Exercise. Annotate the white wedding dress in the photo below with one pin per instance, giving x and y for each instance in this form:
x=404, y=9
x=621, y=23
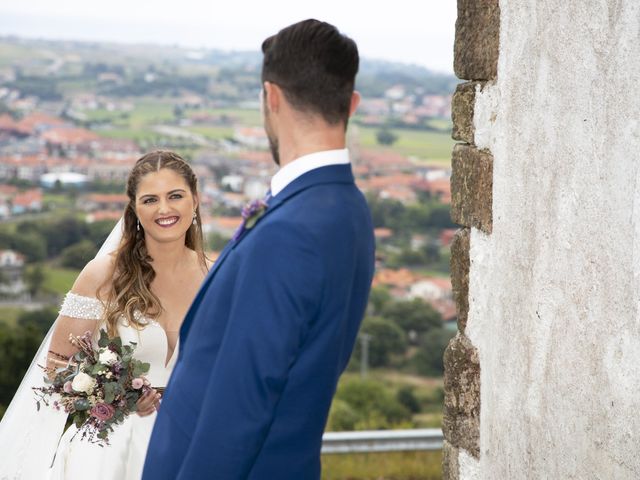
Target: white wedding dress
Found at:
x=123, y=459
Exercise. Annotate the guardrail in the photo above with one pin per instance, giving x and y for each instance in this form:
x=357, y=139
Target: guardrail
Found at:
x=369, y=441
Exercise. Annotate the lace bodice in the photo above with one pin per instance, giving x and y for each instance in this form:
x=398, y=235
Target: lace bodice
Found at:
x=152, y=340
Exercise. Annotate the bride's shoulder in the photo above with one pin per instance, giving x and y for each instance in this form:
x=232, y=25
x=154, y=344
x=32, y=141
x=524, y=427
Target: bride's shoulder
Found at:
x=94, y=277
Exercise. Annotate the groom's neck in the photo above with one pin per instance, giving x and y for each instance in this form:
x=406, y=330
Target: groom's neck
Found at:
x=301, y=138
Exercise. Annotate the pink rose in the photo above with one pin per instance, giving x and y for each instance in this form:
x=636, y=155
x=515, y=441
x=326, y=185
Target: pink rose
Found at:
x=67, y=387
x=102, y=411
x=137, y=383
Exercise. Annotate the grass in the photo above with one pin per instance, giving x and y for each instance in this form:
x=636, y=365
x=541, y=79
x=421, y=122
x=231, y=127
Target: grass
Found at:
x=59, y=280
x=103, y=115
x=246, y=117
x=9, y=315
x=383, y=466
x=441, y=124
x=212, y=132
x=148, y=112
x=432, y=147
x=58, y=200
x=128, y=133
x=11, y=54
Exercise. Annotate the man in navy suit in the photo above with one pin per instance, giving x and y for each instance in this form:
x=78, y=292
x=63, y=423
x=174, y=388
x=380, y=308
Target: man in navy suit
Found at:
x=275, y=321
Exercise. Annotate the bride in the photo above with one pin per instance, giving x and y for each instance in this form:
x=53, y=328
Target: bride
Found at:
x=139, y=289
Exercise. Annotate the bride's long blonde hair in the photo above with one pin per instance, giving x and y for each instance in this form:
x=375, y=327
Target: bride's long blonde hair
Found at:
x=129, y=288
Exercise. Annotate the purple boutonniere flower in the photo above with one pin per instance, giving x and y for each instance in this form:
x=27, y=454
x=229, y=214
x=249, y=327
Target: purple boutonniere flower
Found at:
x=250, y=215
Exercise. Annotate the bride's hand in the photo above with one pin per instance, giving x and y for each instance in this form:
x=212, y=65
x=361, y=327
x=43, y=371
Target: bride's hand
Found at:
x=148, y=403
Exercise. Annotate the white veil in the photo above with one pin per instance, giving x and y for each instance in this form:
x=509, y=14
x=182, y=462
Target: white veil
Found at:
x=28, y=437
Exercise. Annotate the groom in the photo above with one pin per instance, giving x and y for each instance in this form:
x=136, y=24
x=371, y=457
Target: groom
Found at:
x=275, y=321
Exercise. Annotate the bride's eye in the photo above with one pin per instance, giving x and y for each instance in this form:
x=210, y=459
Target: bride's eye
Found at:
x=149, y=200
x=176, y=195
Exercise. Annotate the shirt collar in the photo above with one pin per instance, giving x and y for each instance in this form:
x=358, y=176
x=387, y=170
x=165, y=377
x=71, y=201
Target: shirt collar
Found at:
x=304, y=164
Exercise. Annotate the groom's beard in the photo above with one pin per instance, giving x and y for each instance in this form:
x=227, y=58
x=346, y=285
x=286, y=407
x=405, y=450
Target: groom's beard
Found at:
x=275, y=149
x=273, y=140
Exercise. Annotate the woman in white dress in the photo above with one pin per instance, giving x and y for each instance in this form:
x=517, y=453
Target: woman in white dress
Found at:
x=140, y=292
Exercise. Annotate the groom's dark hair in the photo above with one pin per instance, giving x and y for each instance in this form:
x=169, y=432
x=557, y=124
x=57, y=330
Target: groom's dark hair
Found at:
x=315, y=65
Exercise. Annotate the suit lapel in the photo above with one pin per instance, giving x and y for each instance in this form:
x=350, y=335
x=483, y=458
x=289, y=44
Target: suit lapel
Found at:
x=322, y=175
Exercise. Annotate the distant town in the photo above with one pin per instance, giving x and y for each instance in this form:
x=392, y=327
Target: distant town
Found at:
x=74, y=117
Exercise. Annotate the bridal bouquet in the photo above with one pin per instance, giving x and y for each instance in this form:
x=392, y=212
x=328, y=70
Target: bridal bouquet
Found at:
x=98, y=388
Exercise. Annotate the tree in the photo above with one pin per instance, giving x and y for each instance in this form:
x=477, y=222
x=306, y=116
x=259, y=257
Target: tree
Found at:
x=342, y=417
x=373, y=404
x=385, y=213
x=387, y=339
x=41, y=319
x=385, y=136
x=99, y=231
x=217, y=241
x=429, y=358
x=78, y=255
x=34, y=277
x=31, y=245
x=413, y=315
x=18, y=345
x=378, y=298
x=407, y=397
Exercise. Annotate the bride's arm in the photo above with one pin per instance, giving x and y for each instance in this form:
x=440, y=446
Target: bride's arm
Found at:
x=82, y=313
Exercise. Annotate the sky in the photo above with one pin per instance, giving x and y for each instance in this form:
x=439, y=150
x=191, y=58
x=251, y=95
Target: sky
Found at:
x=410, y=31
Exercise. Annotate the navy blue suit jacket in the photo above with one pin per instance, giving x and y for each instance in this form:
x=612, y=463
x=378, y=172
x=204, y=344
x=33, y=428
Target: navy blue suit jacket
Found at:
x=268, y=335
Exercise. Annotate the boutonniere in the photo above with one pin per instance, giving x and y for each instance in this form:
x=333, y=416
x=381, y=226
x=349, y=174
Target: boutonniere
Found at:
x=251, y=213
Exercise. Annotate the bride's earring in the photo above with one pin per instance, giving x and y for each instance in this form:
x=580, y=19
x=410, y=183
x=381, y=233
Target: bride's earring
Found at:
x=138, y=225
x=195, y=222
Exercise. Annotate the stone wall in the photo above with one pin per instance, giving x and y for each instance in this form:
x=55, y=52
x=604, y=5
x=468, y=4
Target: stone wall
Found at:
x=541, y=380
x=475, y=59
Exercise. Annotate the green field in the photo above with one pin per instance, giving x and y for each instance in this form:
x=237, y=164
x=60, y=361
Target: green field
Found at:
x=139, y=135
x=440, y=124
x=244, y=116
x=150, y=112
x=9, y=315
x=59, y=280
x=10, y=54
x=427, y=146
x=383, y=466
x=212, y=132
x=422, y=145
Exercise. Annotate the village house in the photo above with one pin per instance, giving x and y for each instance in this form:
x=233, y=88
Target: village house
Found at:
x=27, y=201
x=103, y=201
x=253, y=137
x=11, y=272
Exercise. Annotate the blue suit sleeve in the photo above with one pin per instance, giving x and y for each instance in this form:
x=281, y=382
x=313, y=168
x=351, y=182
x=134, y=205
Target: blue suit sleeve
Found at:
x=277, y=294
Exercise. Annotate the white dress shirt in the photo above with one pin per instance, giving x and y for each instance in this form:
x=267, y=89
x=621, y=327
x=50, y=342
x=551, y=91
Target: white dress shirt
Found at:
x=304, y=164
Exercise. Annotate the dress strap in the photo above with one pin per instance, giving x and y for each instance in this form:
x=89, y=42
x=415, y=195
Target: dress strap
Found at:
x=79, y=306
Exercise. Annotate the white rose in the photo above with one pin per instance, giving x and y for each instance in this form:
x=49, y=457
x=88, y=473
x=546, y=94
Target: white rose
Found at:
x=108, y=357
x=83, y=383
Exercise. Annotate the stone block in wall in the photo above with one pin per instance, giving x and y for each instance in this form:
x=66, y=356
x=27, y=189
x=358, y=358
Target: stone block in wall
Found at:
x=461, y=419
x=472, y=187
x=462, y=108
x=449, y=462
x=477, y=39
x=460, y=274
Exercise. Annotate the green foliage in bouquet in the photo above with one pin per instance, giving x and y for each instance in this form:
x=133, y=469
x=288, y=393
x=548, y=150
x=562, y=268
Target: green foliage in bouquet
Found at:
x=98, y=387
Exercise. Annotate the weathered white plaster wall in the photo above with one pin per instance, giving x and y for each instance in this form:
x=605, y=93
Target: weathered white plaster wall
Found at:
x=555, y=289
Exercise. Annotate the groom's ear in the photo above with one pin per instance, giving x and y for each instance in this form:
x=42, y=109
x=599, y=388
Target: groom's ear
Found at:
x=355, y=101
x=273, y=97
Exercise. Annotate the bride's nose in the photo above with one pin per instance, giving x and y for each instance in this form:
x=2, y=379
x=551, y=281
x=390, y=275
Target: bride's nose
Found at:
x=163, y=206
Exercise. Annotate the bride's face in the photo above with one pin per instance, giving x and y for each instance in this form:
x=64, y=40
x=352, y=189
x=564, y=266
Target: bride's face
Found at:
x=165, y=205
